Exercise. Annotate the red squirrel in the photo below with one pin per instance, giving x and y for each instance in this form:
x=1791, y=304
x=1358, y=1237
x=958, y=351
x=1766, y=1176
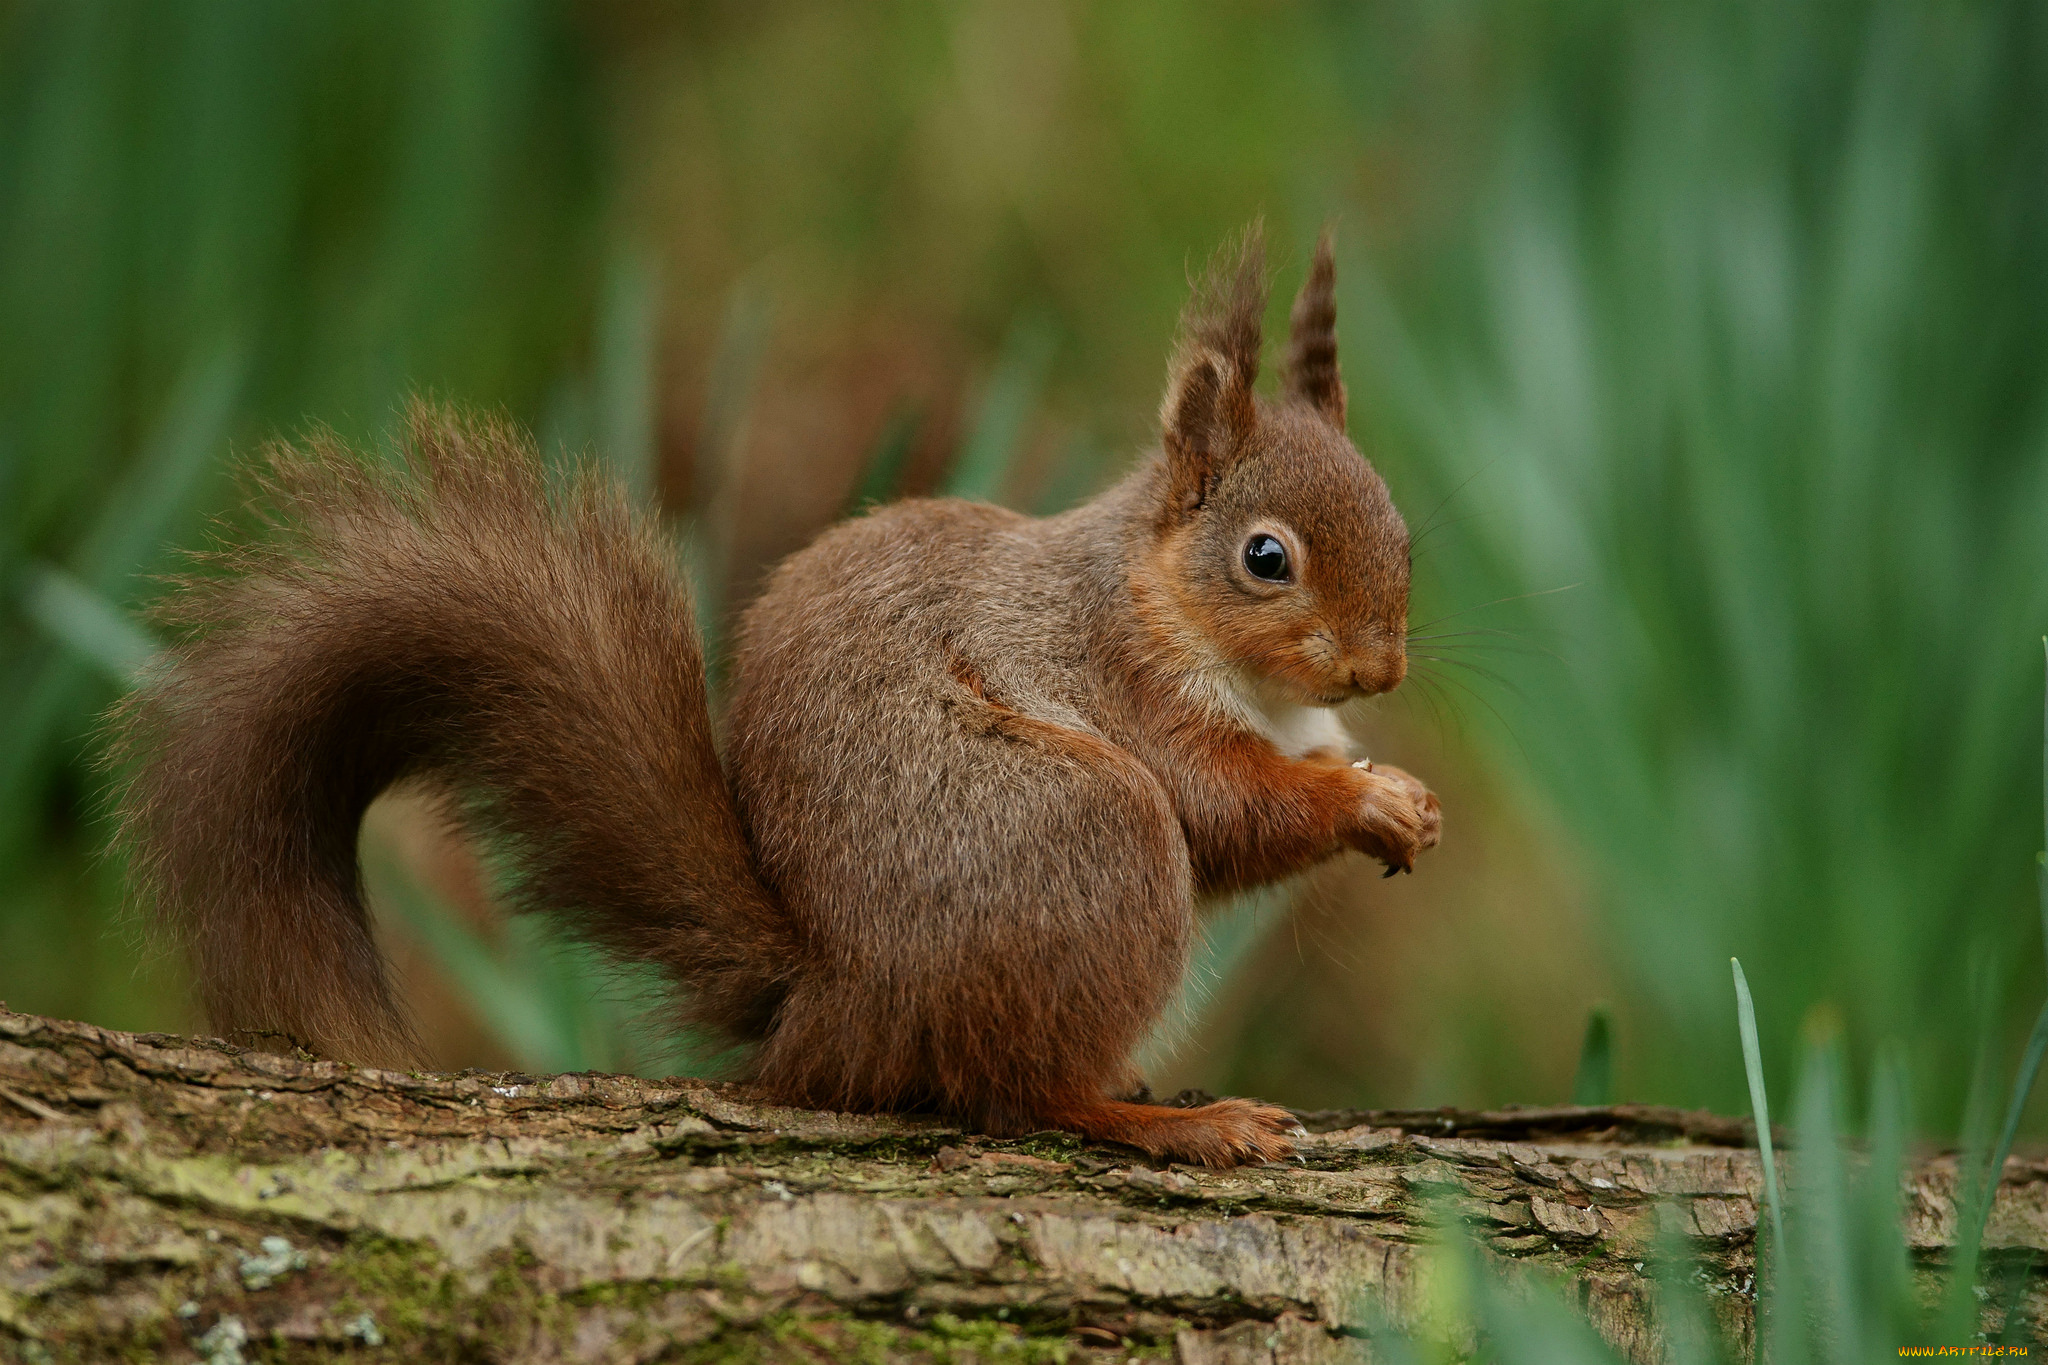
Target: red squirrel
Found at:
x=979, y=770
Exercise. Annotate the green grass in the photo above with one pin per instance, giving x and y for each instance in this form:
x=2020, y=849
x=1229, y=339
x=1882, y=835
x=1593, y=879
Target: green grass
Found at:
x=1734, y=359
x=1594, y=1083
x=218, y=222
x=1835, y=1279
x=1759, y=1101
x=1837, y=1286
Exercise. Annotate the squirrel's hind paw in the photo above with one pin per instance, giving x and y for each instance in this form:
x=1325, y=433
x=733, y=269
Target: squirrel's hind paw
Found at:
x=1240, y=1131
x=1222, y=1133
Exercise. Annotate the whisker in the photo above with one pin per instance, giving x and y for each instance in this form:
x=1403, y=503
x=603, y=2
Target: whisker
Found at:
x=1482, y=649
x=1320, y=922
x=1429, y=522
x=1488, y=638
x=1498, y=601
x=1469, y=691
x=1472, y=668
x=1415, y=543
x=1433, y=696
x=1480, y=630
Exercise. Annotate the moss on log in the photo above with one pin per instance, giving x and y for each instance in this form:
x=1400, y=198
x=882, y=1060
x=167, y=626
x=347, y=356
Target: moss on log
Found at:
x=182, y=1199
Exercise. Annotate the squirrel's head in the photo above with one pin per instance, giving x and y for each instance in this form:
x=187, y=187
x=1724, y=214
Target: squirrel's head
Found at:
x=1276, y=549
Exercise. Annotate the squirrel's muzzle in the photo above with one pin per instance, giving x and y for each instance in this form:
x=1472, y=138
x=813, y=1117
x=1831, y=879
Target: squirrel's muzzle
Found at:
x=1379, y=670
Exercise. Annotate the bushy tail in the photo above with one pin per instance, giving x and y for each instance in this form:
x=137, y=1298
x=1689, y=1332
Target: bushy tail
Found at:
x=524, y=648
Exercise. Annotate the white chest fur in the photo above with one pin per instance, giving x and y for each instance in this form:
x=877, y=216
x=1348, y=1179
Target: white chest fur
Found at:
x=1292, y=728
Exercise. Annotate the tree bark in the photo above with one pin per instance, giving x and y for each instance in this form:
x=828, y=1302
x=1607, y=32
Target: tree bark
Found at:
x=182, y=1199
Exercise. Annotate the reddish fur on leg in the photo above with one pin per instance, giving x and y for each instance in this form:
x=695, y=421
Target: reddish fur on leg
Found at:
x=1225, y=1133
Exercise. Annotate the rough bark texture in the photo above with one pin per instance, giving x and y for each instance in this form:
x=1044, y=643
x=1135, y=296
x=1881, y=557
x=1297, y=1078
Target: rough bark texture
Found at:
x=180, y=1199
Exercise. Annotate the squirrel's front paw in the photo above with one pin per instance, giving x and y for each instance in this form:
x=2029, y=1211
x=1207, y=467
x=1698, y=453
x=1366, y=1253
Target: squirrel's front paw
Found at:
x=1398, y=817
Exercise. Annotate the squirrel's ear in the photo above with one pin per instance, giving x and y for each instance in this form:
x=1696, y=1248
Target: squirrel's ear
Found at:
x=1210, y=414
x=1197, y=437
x=1311, y=373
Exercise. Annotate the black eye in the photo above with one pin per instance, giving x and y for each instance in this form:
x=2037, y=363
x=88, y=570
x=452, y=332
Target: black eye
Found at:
x=1265, y=557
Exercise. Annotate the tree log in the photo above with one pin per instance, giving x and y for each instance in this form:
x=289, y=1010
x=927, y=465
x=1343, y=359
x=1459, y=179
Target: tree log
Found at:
x=181, y=1199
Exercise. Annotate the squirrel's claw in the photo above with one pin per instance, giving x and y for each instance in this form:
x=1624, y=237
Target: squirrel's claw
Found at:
x=1398, y=818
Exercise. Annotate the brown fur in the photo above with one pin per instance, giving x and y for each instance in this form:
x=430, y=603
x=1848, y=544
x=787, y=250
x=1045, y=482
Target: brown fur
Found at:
x=1312, y=376
x=981, y=766
x=535, y=662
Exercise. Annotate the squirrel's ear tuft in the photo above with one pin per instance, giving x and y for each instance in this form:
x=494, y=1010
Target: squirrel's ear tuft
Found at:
x=1311, y=374
x=1210, y=414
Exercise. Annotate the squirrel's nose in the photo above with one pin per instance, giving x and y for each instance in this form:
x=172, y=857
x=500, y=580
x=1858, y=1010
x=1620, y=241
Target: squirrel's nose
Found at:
x=1381, y=671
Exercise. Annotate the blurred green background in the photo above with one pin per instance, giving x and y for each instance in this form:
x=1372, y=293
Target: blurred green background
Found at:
x=1702, y=344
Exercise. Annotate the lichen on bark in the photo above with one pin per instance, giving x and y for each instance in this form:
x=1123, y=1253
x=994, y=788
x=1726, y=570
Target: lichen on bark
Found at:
x=181, y=1199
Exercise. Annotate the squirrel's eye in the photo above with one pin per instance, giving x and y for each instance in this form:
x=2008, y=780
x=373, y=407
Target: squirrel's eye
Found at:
x=1265, y=557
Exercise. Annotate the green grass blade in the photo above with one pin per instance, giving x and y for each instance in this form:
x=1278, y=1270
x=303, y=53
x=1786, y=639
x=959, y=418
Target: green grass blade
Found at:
x=2014, y=1330
x=1958, y=1313
x=566, y=981
x=82, y=619
x=1759, y=1102
x=2022, y=1087
x=884, y=467
x=994, y=441
x=2037, y=1042
x=743, y=341
x=503, y=998
x=628, y=335
x=1594, y=1084
x=1527, y=1323
x=127, y=537
x=1832, y=1292
x=159, y=492
x=1683, y=1312
x=1074, y=476
x=1888, y=1261
x=1226, y=941
x=729, y=391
